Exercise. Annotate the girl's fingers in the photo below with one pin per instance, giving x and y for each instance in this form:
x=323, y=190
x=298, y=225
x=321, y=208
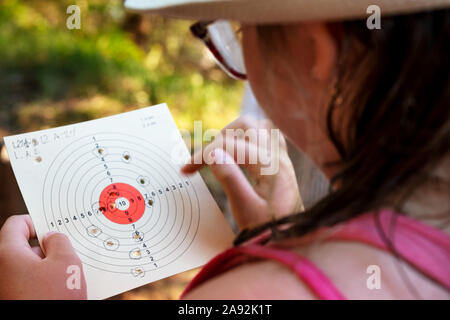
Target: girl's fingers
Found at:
x=238, y=189
x=244, y=153
x=17, y=230
x=15, y=235
x=197, y=161
x=57, y=246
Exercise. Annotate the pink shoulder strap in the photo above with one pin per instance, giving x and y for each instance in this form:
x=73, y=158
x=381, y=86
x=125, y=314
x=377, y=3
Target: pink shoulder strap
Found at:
x=315, y=279
x=424, y=247
x=307, y=272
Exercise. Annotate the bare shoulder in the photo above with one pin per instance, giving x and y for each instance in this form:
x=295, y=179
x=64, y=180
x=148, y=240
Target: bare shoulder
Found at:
x=256, y=280
x=361, y=271
x=357, y=270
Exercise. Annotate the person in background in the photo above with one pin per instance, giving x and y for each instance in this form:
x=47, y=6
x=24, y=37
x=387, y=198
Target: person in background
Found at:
x=369, y=106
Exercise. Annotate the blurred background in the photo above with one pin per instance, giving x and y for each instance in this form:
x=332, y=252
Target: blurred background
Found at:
x=116, y=62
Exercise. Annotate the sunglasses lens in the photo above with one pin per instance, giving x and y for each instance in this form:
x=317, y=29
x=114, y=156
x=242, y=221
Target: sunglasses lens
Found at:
x=228, y=45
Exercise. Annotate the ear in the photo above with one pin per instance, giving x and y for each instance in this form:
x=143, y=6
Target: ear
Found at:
x=325, y=51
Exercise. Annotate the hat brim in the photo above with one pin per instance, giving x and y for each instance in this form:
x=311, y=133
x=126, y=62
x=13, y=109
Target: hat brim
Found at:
x=277, y=11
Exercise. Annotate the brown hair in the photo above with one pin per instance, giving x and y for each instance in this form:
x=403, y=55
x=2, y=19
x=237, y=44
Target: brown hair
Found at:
x=396, y=89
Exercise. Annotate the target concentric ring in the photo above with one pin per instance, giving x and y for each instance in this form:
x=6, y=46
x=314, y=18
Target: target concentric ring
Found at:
x=96, y=184
x=123, y=204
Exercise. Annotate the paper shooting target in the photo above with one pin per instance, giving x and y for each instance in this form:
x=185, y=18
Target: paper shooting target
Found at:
x=122, y=202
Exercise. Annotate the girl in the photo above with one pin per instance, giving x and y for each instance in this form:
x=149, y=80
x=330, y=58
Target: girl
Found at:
x=369, y=106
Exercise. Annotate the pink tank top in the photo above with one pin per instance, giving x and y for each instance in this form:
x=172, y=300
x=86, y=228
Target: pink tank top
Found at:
x=422, y=246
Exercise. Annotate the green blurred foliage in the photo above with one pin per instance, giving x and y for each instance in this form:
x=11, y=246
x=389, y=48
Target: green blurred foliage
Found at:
x=116, y=62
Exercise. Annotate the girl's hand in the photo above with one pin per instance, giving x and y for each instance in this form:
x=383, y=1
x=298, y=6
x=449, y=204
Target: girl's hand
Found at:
x=262, y=197
x=27, y=274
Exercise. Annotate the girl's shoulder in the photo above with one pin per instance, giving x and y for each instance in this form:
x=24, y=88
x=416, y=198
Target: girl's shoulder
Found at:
x=328, y=265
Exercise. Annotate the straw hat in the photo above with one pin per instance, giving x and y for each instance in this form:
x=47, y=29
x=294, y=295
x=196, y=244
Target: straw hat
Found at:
x=273, y=11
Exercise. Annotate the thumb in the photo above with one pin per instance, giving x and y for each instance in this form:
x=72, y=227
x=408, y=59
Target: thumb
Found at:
x=238, y=189
x=57, y=245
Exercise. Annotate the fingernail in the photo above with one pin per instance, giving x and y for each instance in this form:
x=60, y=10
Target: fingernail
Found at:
x=184, y=170
x=218, y=156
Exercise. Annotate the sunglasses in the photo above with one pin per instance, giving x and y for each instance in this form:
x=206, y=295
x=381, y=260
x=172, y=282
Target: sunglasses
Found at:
x=224, y=44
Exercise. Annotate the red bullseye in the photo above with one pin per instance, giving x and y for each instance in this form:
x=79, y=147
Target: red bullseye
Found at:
x=122, y=203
